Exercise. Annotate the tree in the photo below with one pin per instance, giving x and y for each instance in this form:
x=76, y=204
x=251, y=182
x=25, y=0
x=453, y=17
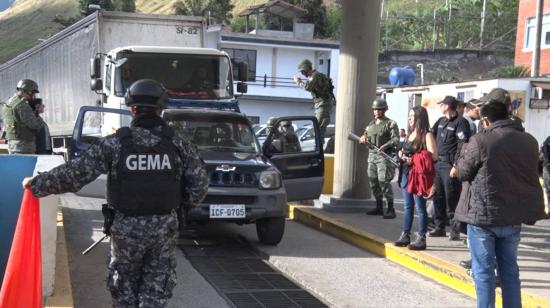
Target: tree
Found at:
x=125, y=5
x=219, y=10
x=316, y=14
x=105, y=4
x=190, y=7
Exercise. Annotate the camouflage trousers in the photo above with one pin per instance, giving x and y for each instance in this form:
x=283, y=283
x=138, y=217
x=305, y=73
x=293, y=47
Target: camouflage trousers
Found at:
x=380, y=174
x=142, y=264
x=546, y=178
x=323, y=117
x=21, y=146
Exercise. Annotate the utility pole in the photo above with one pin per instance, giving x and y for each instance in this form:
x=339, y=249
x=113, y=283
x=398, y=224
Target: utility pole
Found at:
x=535, y=59
x=434, y=34
x=482, y=27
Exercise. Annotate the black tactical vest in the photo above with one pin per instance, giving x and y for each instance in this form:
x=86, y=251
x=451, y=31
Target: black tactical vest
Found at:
x=147, y=180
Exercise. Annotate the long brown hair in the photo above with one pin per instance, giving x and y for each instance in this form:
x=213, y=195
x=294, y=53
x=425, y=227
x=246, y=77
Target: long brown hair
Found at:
x=421, y=127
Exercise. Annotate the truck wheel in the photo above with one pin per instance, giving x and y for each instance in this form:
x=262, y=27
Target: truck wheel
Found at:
x=270, y=230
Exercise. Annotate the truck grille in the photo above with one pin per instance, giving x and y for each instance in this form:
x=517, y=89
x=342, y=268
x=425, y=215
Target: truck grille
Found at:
x=229, y=200
x=242, y=179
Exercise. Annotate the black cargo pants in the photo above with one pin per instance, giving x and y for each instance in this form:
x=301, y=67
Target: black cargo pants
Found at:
x=447, y=193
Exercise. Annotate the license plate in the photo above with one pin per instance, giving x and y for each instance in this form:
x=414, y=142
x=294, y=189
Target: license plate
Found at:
x=227, y=211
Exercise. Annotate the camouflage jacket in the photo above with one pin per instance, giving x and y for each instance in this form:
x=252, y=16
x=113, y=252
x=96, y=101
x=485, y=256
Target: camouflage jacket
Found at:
x=20, y=121
x=320, y=87
x=103, y=157
x=384, y=135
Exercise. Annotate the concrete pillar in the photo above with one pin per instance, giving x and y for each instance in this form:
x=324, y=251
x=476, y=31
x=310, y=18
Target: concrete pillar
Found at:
x=358, y=66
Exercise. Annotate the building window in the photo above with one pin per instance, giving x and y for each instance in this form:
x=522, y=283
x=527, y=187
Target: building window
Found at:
x=247, y=56
x=530, y=33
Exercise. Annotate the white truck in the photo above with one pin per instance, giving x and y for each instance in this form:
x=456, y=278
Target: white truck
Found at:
x=123, y=47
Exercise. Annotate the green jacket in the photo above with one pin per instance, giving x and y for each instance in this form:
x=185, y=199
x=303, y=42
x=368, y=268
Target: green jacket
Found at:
x=20, y=122
x=320, y=87
x=384, y=135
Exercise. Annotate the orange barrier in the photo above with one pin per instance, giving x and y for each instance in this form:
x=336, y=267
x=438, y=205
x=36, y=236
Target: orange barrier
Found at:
x=22, y=285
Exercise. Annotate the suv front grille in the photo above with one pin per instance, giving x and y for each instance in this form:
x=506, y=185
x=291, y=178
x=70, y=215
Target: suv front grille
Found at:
x=242, y=179
x=229, y=200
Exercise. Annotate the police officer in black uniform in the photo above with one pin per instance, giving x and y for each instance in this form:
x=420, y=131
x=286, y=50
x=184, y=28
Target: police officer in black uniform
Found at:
x=451, y=132
x=151, y=172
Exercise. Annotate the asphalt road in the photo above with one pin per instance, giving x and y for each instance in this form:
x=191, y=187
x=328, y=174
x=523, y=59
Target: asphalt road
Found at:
x=338, y=273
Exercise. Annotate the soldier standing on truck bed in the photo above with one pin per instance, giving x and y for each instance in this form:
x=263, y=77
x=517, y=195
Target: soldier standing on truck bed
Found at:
x=321, y=89
x=151, y=172
x=20, y=122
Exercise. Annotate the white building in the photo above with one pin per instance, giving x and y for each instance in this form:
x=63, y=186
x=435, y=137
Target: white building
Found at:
x=272, y=58
x=530, y=99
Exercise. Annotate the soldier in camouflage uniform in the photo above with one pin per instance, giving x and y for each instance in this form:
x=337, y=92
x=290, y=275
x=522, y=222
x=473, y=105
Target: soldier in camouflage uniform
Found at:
x=383, y=133
x=150, y=173
x=321, y=89
x=289, y=140
x=20, y=122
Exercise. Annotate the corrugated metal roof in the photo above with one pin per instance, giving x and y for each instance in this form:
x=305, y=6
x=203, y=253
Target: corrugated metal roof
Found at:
x=275, y=7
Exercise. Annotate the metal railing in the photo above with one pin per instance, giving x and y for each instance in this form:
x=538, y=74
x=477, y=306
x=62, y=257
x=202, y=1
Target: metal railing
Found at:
x=273, y=82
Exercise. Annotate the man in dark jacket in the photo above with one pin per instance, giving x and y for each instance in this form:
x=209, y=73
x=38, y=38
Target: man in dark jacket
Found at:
x=501, y=192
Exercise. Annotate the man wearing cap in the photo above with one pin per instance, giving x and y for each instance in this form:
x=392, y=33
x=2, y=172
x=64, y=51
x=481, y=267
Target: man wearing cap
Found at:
x=502, y=96
x=451, y=132
x=472, y=114
x=495, y=203
x=321, y=89
x=21, y=123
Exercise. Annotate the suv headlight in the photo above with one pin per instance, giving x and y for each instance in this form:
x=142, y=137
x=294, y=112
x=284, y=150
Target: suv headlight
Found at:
x=270, y=179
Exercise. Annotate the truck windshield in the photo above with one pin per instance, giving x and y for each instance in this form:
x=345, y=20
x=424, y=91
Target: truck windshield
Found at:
x=184, y=75
x=224, y=136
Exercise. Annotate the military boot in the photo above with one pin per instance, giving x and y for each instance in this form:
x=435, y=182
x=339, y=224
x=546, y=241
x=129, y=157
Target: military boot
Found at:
x=419, y=243
x=390, y=211
x=377, y=210
x=404, y=240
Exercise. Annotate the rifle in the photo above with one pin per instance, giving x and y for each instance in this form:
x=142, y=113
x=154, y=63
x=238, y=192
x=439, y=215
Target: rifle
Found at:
x=354, y=137
x=108, y=217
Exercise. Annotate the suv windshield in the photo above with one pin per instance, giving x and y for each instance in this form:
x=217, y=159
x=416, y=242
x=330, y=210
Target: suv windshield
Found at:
x=227, y=135
x=184, y=75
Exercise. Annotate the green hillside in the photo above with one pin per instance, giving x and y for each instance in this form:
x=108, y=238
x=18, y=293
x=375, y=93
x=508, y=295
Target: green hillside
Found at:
x=27, y=21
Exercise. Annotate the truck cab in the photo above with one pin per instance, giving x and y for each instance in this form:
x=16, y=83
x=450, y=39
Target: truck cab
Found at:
x=202, y=77
x=248, y=182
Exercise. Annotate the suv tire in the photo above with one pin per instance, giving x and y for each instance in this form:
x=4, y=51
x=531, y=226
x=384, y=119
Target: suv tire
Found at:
x=270, y=230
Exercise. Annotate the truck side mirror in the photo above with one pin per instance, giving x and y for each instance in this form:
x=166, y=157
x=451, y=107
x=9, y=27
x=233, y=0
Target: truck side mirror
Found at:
x=96, y=84
x=242, y=87
x=95, y=67
x=242, y=74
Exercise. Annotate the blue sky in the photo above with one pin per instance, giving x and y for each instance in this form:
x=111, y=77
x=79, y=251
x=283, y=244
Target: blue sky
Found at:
x=4, y=4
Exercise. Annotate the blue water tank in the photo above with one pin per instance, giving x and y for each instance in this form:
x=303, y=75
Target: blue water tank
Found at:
x=402, y=76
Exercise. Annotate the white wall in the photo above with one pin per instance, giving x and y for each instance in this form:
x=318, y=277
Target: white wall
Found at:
x=48, y=224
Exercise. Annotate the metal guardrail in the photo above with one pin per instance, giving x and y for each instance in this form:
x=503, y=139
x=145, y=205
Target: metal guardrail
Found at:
x=270, y=81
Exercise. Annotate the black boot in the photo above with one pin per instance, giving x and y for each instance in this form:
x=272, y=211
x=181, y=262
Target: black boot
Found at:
x=377, y=210
x=390, y=211
x=404, y=240
x=419, y=243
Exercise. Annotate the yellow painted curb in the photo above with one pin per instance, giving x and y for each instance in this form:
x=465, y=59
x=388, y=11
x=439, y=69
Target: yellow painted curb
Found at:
x=431, y=267
x=63, y=293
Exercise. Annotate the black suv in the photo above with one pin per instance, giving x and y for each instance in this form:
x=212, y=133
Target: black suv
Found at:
x=247, y=183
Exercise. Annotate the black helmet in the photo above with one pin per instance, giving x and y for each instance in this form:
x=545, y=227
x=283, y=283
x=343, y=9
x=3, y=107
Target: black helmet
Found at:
x=380, y=103
x=146, y=92
x=27, y=85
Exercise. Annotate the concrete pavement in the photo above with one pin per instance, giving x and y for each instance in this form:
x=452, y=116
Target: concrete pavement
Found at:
x=440, y=261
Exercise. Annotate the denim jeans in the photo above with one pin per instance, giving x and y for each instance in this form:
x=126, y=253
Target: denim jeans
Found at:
x=486, y=243
x=410, y=201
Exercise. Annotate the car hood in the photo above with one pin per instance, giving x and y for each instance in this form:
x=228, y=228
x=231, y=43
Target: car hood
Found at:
x=251, y=162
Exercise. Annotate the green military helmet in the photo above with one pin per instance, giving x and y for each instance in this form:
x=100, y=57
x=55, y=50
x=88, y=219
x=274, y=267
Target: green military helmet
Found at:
x=305, y=65
x=271, y=121
x=27, y=85
x=380, y=103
